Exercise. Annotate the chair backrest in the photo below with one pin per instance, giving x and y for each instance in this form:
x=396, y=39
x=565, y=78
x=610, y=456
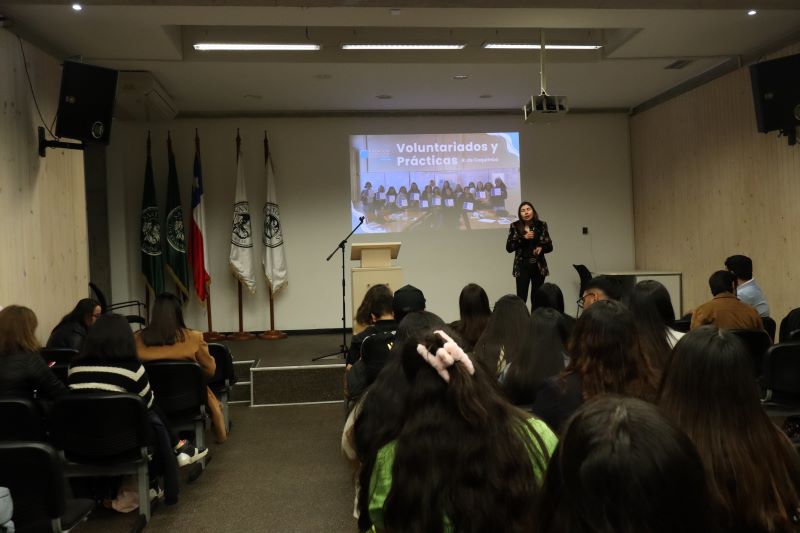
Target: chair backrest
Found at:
x=789, y=324
x=584, y=275
x=21, y=420
x=769, y=326
x=225, y=373
x=782, y=372
x=33, y=474
x=683, y=324
x=58, y=355
x=757, y=342
x=179, y=386
x=98, y=427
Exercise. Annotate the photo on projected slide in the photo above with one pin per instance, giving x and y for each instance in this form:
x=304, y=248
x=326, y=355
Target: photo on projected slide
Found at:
x=455, y=181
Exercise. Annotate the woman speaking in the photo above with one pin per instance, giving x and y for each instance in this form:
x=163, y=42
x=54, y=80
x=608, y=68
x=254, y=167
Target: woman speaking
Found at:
x=529, y=240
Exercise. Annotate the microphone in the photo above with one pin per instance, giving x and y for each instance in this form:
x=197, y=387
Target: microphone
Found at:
x=361, y=219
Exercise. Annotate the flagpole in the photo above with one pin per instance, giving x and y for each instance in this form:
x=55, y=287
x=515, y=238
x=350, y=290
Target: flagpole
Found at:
x=272, y=334
x=211, y=335
x=240, y=335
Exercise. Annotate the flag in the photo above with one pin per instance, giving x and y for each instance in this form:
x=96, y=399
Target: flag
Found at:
x=274, y=260
x=150, y=231
x=241, y=258
x=197, y=230
x=177, y=263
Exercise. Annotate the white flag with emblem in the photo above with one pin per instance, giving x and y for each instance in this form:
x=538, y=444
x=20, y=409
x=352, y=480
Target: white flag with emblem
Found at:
x=241, y=258
x=274, y=259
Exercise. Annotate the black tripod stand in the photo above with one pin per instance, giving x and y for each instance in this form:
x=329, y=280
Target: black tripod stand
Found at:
x=343, y=349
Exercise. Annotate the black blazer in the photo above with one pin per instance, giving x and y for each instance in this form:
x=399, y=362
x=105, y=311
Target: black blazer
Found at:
x=523, y=249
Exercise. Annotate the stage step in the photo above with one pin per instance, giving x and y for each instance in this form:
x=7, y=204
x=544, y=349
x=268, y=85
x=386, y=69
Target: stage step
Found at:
x=281, y=385
x=241, y=391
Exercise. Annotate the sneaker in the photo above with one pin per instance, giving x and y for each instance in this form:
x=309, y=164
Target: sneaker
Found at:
x=186, y=453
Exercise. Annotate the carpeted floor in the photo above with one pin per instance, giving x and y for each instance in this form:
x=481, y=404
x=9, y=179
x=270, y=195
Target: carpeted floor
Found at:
x=280, y=471
x=297, y=349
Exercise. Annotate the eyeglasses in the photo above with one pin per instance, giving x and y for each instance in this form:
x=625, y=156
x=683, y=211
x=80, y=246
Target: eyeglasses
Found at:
x=582, y=300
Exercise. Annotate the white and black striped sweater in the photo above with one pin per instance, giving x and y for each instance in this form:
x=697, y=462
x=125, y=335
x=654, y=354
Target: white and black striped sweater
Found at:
x=110, y=375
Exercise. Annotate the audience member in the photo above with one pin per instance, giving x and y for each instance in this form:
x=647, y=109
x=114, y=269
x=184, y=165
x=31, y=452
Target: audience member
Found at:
x=473, y=307
x=790, y=326
x=599, y=288
x=167, y=337
x=622, y=467
x=542, y=356
x=605, y=357
x=464, y=459
x=23, y=372
x=70, y=332
x=724, y=310
x=407, y=299
x=548, y=295
x=376, y=306
x=747, y=290
x=753, y=470
x=652, y=311
x=504, y=334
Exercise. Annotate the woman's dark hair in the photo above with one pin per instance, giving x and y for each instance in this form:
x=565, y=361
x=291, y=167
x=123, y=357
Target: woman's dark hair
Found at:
x=82, y=312
x=722, y=281
x=709, y=391
x=505, y=332
x=473, y=306
x=652, y=310
x=548, y=295
x=380, y=414
x=18, y=330
x=521, y=223
x=166, y=325
x=462, y=453
x=541, y=357
x=622, y=467
x=109, y=338
x=377, y=301
x=604, y=350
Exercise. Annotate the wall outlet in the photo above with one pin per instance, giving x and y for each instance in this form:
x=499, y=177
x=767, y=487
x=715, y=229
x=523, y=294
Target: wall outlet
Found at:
x=585, y=230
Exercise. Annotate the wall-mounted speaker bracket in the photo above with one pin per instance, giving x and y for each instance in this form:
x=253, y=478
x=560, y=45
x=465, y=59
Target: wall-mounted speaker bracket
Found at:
x=44, y=144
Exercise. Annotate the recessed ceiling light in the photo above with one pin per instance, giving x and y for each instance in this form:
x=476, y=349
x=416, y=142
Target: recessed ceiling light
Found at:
x=485, y=96
x=460, y=77
x=323, y=76
x=252, y=97
x=395, y=11
x=384, y=97
x=536, y=46
x=77, y=7
x=247, y=47
x=752, y=12
x=397, y=46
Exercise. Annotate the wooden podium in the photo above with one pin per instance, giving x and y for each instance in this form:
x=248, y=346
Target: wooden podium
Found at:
x=376, y=268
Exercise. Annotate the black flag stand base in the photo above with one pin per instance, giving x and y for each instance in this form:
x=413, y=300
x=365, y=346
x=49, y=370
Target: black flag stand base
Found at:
x=343, y=349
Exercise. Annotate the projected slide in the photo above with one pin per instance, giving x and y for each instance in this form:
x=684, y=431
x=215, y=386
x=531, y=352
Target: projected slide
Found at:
x=437, y=181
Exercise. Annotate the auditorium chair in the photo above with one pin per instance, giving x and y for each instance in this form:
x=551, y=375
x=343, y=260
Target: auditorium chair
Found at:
x=757, y=342
x=59, y=359
x=224, y=377
x=33, y=473
x=21, y=420
x=104, y=434
x=781, y=381
x=769, y=326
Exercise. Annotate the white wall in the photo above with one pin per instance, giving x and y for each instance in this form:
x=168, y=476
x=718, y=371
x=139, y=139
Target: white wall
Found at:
x=576, y=172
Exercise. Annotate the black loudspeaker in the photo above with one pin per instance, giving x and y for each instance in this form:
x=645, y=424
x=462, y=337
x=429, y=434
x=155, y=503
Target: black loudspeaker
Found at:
x=776, y=93
x=86, y=102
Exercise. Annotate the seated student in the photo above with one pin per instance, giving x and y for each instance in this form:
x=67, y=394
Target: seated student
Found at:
x=364, y=316
x=754, y=471
x=747, y=290
x=605, y=358
x=23, y=372
x=652, y=310
x=621, y=466
x=167, y=337
x=464, y=459
x=407, y=299
x=724, y=310
x=502, y=338
x=599, y=288
x=71, y=330
x=474, y=311
x=549, y=295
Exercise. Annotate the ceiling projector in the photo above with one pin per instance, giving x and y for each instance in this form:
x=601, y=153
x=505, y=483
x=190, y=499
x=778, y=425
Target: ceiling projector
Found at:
x=545, y=107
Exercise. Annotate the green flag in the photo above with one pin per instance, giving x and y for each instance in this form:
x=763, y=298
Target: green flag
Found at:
x=177, y=262
x=150, y=237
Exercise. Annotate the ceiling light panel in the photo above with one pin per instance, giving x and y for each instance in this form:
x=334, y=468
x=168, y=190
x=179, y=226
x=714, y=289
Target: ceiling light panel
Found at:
x=398, y=46
x=256, y=47
x=536, y=46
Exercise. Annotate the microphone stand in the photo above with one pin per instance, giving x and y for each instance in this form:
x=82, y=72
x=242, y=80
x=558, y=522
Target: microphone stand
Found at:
x=343, y=349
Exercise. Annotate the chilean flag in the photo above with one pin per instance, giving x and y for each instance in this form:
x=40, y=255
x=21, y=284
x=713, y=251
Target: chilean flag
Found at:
x=197, y=249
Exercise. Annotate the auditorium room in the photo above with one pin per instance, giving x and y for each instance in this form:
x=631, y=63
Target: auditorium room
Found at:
x=350, y=266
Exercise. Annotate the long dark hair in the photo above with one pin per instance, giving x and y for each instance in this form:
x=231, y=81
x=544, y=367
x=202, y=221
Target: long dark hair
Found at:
x=473, y=306
x=166, y=325
x=505, y=331
x=604, y=350
x=109, y=338
x=380, y=414
x=622, y=467
x=708, y=391
x=520, y=224
x=548, y=295
x=81, y=313
x=461, y=454
x=652, y=310
x=541, y=357
x=377, y=300
x=18, y=330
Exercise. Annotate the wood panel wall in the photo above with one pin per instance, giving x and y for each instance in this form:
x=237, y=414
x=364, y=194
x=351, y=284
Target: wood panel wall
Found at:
x=707, y=185
x=43, y=237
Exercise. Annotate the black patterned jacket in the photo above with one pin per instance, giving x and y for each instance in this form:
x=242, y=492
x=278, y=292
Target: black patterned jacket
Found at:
x=523, y=249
